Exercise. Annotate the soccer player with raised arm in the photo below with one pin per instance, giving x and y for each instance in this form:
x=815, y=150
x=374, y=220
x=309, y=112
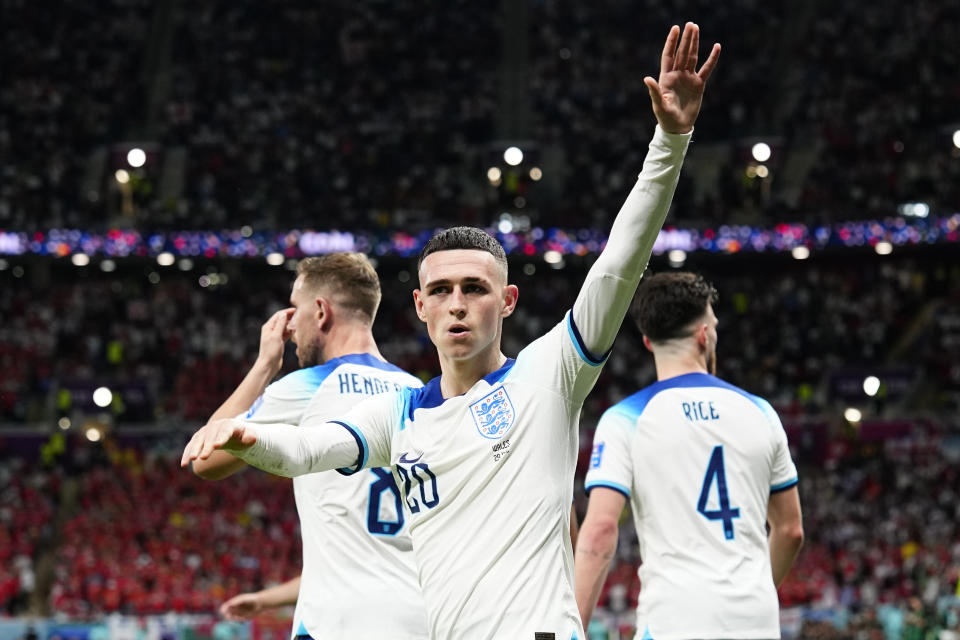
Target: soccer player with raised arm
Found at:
x=357, y=554
x=484, y=454
x=705, y=467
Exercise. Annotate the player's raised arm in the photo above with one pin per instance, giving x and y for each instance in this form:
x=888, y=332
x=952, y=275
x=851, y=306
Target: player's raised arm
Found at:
x=676, y=97
x=273, y=336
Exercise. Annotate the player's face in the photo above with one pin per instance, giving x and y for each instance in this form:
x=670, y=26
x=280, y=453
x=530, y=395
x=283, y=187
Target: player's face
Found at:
x=711, y=341
x=463, y=298
x=302, y=326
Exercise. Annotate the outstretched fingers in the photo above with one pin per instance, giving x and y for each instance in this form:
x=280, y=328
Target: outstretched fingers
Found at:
x=694, y=49
x=669, y=55
x=711, y=63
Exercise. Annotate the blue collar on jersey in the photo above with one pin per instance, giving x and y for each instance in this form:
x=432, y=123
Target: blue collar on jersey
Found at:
x=429, y=396
x=364, y=359
x=638, y=401
x=315, y=375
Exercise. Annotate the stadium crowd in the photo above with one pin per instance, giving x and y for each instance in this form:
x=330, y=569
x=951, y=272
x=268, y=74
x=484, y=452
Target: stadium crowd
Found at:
x=341, y=116
x=173, y=349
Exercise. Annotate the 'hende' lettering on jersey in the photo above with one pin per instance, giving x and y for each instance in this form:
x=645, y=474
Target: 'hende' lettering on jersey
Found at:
x=493, y=413
x=356, y=383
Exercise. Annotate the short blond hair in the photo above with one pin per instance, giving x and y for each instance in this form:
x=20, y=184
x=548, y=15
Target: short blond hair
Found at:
x=349, y=278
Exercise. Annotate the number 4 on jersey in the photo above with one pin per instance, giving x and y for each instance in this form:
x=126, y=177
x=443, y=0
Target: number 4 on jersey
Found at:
x=716, y=471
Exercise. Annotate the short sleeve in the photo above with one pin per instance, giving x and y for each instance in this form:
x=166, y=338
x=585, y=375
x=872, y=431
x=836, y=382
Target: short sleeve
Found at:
x=783, y=473
x=372, y=424
x=610, y=463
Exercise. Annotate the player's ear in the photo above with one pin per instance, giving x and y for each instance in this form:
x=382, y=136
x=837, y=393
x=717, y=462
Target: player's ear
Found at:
x=324, y=313
x=510, y=296
x=646, y=343
x=418, y=304
x=702, y=335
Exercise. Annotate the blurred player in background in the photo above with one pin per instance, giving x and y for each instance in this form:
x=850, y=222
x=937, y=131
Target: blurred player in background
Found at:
x=356, y=549
x=705, y=466
x=485, y=453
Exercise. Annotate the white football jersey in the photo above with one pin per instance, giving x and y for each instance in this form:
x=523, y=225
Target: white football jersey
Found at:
x=359, y=575
x=698, y=459
x=499, y=458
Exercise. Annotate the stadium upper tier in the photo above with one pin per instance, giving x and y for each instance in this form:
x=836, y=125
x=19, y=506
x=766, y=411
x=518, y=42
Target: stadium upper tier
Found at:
x=394, y=115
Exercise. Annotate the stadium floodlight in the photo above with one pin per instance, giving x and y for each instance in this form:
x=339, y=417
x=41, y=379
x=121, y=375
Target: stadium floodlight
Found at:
x=761, y=152
x=552, y=257
x=883, y=248
x=536, y=173
x=956, y=138
x=871, y=385
x=80, y=259
x=63, y=423
x=102, y=397
x=800, y=252
x=122, y=176
x=494, y=174
x=275, y=259
x=165, y=259
x=852, y=415
x=513, y=156
x=677, y=257
x=136, y=157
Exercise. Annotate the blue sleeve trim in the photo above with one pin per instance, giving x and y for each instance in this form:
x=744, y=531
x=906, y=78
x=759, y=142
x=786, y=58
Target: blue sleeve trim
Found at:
x=582, y=350
x=606, y=484
x=783, y=486
x=361, y=444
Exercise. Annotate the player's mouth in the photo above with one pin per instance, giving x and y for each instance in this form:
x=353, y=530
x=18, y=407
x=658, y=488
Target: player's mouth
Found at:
x=458, y=330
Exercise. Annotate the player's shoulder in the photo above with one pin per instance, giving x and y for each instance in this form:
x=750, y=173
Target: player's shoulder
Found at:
x=373, y=364
x=302, y=380
x=635, y=405
x=430, y=396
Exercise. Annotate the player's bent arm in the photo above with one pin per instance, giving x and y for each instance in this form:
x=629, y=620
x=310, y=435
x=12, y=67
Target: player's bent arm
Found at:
x=596, y=545
x=222, y=463
x=786, y=531
x=246, y=605
x=269, y=361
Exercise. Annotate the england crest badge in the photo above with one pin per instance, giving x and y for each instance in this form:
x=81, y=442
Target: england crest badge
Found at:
x=493, y=413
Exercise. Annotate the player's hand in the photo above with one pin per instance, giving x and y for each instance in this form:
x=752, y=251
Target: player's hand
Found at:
x=229, y=434
x=273, y=336
x=678, y=93
x=242, y=607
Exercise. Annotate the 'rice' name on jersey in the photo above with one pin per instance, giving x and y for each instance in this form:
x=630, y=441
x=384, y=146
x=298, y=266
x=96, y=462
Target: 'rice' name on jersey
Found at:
x=698, y=459
x=356, y=546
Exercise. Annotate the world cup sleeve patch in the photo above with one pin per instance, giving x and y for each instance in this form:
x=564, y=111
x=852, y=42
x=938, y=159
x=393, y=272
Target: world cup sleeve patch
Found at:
x=493, y=413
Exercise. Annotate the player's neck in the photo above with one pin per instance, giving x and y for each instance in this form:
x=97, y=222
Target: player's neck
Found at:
x=673, y=365
x=345, y=343
x=458, y=376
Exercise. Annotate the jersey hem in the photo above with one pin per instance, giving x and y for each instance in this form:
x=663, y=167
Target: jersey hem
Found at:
x=783, y=486
x=606, y=484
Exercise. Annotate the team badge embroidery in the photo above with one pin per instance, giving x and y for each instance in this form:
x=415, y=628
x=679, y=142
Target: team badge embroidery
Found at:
x=493, y=413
